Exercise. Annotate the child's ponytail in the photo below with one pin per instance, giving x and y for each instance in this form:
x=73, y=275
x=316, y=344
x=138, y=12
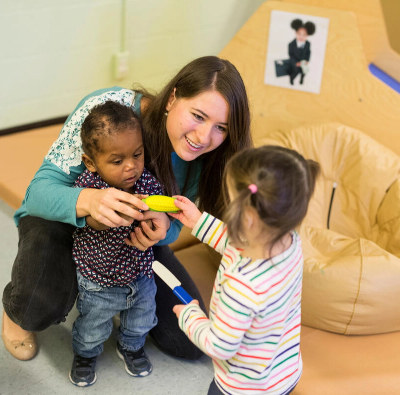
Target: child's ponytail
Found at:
x=234, y=216
x=313, y=172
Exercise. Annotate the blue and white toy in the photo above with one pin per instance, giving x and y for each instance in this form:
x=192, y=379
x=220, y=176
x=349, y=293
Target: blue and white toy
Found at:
x=172, y=282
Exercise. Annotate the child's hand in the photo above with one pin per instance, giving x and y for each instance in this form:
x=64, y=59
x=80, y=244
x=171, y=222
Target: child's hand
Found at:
x=179, y=307
x=189, y=215
x=145, y=236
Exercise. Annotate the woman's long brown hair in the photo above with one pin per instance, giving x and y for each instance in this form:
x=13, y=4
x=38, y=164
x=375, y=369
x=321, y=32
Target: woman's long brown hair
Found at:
x=208, y=73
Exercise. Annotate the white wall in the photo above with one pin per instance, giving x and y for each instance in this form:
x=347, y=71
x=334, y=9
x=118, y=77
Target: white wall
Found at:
x=54, y=52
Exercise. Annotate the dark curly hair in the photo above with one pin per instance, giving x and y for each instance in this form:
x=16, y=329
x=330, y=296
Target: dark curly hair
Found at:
x=104, y=120
x=308, y=26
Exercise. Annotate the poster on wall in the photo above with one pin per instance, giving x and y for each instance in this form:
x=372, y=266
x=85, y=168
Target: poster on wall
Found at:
x=296, y=51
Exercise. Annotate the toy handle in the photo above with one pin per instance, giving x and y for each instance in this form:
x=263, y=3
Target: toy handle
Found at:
x=182, y=295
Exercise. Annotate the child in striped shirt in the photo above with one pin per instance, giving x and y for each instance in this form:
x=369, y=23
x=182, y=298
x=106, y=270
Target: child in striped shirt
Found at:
x=253, y=333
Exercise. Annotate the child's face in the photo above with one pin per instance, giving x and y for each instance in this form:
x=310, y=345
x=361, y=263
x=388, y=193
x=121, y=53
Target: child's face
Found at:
x=301, y=35
x=121, y=160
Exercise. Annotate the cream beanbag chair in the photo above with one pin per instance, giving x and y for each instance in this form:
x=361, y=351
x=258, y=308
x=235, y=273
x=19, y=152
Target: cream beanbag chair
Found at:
x=351, y=234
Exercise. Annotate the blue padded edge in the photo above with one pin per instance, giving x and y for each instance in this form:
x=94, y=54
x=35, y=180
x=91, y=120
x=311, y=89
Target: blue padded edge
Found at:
x=386, y=78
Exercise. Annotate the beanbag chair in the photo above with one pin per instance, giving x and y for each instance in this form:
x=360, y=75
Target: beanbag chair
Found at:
x=351, y=234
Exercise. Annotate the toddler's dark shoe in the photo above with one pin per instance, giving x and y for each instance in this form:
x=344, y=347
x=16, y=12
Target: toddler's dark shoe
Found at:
x=136, y=362
x=83, y=371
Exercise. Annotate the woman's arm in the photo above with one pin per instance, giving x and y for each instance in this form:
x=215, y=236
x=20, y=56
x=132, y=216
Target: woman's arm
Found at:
x=172, y=233
x=51, y=195
x=106, y=205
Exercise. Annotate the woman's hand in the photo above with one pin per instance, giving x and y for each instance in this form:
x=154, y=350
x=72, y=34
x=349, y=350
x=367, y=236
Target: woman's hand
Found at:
x=189, y=214
x=179, y=307
x=110, y=206
x=144, y=237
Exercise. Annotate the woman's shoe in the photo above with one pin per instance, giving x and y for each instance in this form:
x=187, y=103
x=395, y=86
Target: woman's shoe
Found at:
x=21, y=349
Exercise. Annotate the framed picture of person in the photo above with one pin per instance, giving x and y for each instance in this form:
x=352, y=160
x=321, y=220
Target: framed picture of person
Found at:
x=296, y=51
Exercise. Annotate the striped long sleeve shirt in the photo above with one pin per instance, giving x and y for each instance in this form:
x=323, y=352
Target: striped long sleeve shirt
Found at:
x=253, y=331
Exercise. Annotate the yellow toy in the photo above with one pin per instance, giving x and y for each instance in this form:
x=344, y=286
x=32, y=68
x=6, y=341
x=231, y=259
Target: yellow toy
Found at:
x=161, y=203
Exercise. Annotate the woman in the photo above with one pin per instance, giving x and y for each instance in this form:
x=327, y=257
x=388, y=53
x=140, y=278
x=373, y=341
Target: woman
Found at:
x=191, y=128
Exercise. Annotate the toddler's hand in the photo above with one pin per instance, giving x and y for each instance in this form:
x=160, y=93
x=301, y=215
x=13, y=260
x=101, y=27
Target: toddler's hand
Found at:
x=189, y=214
x=146, y=236
x=179, y=307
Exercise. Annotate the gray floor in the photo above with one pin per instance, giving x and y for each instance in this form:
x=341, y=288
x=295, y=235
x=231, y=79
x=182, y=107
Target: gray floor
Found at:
x=47, y=373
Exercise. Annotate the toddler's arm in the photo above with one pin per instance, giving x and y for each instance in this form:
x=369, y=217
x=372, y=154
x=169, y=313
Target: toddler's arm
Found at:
x=211, y=231
x=95, y=224
x=205, y=227
x=232, y=316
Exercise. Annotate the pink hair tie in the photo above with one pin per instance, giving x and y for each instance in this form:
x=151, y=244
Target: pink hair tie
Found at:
x=253, y=188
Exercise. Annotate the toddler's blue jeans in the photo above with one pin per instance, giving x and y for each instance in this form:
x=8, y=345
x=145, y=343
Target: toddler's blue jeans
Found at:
x=97, y=306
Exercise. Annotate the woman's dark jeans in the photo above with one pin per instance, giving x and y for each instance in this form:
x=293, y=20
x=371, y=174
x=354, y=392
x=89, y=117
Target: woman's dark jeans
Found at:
x=43, y=285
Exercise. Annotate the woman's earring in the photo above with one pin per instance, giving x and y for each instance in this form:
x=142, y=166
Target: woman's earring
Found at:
x=166, y=113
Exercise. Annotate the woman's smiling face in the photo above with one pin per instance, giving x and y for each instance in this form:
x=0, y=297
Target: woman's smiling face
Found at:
x=197, y=125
